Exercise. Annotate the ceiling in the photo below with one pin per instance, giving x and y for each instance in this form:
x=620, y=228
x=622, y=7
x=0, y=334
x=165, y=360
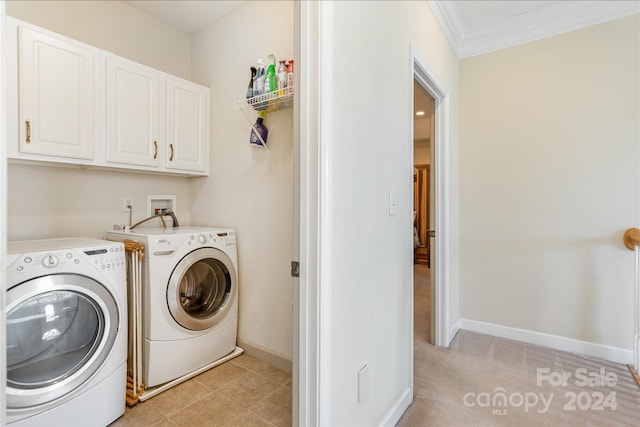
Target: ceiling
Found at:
x=477, y=27
x=472, y=27
x=187, y=15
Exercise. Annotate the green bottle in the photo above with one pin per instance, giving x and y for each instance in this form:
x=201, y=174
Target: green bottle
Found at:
x=270, y=80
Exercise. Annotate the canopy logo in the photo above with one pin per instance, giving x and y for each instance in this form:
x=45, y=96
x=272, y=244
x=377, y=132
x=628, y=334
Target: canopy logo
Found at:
x=594, y=398
x=499, y=400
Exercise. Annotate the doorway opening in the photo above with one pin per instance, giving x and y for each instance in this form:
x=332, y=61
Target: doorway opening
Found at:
x=423, y=215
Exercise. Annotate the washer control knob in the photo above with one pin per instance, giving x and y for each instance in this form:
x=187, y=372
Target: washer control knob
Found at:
x=202, y=238
x=49, y=261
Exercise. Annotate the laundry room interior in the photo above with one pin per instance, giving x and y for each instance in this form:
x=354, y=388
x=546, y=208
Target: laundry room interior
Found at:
x=248, y=188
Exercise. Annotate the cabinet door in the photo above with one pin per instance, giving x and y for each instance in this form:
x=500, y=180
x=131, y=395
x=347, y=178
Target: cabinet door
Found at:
x=56, y=96
x=187, y=132
x=132, y=113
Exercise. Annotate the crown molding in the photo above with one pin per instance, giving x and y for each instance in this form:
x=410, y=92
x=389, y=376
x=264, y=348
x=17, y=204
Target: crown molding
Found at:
x=552, y=19
x=450, y=23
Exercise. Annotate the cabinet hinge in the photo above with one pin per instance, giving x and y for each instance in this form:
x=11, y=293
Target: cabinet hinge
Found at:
x=295, y=269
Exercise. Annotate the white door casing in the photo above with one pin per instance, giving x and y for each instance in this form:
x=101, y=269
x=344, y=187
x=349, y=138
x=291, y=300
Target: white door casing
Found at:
x=424, y=75
x=3, y=210
x=312, y=292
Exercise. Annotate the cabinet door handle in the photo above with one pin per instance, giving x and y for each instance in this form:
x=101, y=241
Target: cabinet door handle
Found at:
x=28, y=127
x=171, y=155
x=155, y=150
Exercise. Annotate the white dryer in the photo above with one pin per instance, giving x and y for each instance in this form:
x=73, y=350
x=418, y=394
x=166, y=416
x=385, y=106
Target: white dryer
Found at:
x=190, y=298
x=66, y=332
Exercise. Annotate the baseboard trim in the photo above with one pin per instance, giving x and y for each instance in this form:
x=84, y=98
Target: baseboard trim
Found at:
x=265, y=355
x=556, y=342
x=396, y=411
x=453, y=331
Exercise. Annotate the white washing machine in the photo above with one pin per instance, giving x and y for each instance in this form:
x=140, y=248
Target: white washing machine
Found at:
x=66, y=332
x=190, y=298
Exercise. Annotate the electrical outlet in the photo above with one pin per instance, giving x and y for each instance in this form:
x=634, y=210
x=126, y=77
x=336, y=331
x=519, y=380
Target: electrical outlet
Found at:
x=363, y=384
x=393, y=202
x=127, y=201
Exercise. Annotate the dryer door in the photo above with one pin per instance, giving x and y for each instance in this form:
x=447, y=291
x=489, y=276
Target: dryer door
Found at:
x=60, y=329
x=202, y=289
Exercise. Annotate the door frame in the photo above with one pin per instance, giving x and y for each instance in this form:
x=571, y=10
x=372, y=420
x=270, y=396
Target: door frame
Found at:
x=3, y=210
x=313, y=126
x=423, y=74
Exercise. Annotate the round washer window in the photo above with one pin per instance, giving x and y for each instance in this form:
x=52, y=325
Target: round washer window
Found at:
x=60, y=329
x=201, y=289
x=50, y=336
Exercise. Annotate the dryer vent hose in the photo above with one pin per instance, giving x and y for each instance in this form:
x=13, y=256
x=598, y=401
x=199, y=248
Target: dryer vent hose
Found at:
x=161, y=215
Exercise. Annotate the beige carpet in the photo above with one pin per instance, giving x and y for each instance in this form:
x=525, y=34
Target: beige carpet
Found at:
x=485, y=381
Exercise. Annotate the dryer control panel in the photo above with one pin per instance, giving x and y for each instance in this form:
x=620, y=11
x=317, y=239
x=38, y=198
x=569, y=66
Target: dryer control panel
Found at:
x=226, y=239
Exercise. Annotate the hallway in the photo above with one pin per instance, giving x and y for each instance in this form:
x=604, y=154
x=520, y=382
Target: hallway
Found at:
x=463, y=385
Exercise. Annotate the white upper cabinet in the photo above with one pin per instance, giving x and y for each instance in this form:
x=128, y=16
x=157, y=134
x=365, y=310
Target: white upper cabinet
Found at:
x=187, y=126
x=72, y=103
x=56, y=96
x=132, y=111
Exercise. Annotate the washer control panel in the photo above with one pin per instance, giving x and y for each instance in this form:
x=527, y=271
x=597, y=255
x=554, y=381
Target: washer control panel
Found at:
x=107, y=258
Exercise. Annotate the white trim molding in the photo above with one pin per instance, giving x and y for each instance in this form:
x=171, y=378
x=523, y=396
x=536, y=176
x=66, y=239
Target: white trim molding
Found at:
x=3, y=209
x=556, y=342
x=313, y=129
x=547, y=19
x=398, y=408
x=426, y=78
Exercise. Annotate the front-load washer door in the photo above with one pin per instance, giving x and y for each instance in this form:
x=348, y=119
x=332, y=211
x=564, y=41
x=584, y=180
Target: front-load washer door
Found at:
x=60, y=329
x=202, y=288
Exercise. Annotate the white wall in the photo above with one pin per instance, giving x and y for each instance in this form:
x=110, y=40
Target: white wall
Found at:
x=46, y=201
x=421, y=152
x=421, y=137
x=112, y=25
x=549, y=148
x=249, y=189
x=422, y=128
x=372, y=262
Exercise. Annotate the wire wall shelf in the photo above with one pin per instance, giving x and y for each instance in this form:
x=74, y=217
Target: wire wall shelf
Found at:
x=273, y=101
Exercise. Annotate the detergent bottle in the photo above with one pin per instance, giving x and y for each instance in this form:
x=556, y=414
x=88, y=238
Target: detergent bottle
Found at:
x=270, y=79
x=282, y=78
x=250, y=87
x=259, y=128
x=258, y=85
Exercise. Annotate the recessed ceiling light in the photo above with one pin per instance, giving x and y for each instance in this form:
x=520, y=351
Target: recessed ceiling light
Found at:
x=419, y=113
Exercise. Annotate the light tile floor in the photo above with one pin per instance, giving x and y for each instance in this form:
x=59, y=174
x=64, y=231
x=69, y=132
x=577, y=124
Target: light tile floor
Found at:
x=244, y=391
